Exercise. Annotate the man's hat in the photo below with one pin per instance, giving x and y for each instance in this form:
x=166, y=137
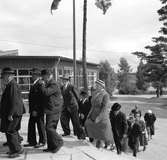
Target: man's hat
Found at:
x=65, y=77
x=101, y=83
x=7, y=70
x=116, y=107
x=46, y=72
x=35, y=71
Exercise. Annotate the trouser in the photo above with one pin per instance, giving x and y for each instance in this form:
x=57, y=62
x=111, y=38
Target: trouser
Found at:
x=39, y=120
x=12, y=134
x=65, y=120
x=53, y=138
x=118, y=144
x=134, y=144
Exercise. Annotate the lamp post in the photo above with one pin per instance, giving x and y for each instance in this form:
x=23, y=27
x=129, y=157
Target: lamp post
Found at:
x=74, y=44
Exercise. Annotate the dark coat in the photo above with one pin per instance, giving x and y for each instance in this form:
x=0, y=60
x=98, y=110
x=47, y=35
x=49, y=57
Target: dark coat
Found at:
x=11, y=101
x=52, y=98
x=84, y=108
x=11, y=104
x=35, y=99
x=119, y=124
x=70, y=97
x=134, y=134
x=149, y=119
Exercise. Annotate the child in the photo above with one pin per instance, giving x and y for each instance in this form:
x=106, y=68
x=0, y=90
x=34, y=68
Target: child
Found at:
x=84, y=108
x=134, y=133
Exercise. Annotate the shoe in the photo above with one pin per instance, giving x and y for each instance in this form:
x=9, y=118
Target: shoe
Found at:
x=39, y=145
x=144, y=148
x=9, y=152
x=13, y=155
x=47, y=150
x=29, y=145
x=21, y=151
x=65, y=134
x=57, y=148
x=5, y=144
x=91, y=140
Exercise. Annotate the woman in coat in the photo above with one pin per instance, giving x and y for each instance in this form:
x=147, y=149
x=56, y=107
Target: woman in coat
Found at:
x=98, y=124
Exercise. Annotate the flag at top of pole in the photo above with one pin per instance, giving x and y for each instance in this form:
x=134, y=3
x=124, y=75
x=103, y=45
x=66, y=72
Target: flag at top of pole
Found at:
x=103, y=4
x=54, y=5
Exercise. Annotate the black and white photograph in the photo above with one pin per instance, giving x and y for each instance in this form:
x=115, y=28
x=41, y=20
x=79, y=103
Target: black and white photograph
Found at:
x=83, y=79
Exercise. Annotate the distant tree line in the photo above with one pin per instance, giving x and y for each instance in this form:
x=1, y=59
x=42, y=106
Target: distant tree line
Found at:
x=152, y=68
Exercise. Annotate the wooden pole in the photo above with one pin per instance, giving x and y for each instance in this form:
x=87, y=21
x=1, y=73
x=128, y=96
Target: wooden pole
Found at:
x=74, y=44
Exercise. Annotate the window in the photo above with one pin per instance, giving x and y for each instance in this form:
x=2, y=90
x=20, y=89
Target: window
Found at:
x=24, y=80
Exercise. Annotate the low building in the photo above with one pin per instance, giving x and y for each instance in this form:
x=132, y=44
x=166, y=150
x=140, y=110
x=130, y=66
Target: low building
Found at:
x=9, y=52
x=60, y=65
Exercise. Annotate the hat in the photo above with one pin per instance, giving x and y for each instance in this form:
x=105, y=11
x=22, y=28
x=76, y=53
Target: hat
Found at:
x=35, y=71
x=7, y=70
x=149, y=111
x=116, y=107
x=101, y=83
x=46, y=72
x=65, y=77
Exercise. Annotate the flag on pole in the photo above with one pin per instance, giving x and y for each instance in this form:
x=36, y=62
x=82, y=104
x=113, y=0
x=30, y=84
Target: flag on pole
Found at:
x=103, y=4
x=54, y=5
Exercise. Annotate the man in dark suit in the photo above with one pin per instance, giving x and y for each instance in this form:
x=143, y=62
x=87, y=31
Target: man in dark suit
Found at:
x=53, y=102
x=70, y=109
x=11, y=111
x=119, y=126
x=36, y=113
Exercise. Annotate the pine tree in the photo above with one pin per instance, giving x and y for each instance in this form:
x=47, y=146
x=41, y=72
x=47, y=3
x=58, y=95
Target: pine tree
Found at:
x=107, y=74
x=155, y=67
x=123, y=82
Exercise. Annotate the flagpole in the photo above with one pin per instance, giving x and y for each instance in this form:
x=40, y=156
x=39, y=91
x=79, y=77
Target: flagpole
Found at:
x=74, y=44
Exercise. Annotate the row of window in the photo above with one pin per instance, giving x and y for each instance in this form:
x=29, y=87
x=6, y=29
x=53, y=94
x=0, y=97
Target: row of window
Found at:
x=23, y=78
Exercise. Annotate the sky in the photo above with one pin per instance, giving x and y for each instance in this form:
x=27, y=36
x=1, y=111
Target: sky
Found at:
x=127, y=26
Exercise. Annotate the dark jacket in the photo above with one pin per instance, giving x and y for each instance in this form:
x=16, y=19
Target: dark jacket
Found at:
x=70, y=96
x=119, y=124
x=11, y=101
x=52, y=97
x=149, y=119
x=35, y=99
x=84, y=108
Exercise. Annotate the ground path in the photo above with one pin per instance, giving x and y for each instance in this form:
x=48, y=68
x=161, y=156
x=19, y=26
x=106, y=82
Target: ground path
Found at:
x=74, y=149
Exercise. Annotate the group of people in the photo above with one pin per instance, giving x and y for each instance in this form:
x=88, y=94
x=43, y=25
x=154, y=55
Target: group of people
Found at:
x=50, y=102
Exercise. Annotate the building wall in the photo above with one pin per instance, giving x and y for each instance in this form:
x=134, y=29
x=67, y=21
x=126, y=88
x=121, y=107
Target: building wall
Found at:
x=22, y=67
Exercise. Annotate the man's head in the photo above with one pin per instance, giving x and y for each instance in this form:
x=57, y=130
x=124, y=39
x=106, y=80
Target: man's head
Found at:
x=65, y=79
x=7, y=74
x=46, y=74
x=36, y=73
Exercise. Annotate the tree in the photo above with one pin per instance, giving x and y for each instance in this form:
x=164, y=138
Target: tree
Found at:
x=155, y=67
x=141, y=83
x=102, y=4
x=123, y=82
x=107, y=74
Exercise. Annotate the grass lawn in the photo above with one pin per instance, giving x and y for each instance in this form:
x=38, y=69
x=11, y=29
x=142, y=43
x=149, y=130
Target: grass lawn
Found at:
x=157, y=105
